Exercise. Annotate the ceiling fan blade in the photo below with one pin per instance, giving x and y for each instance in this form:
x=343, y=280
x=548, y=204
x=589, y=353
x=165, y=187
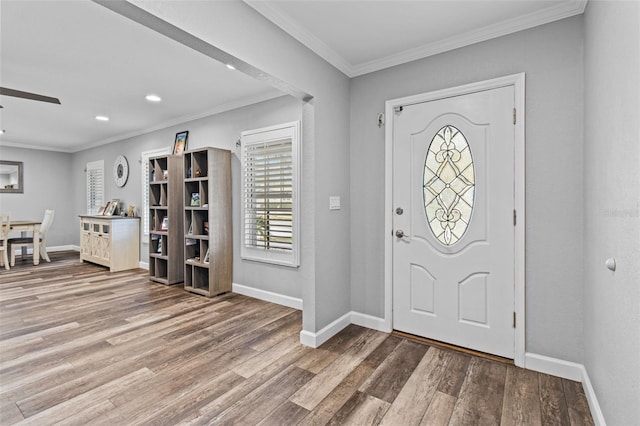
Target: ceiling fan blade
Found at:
x=27, y=95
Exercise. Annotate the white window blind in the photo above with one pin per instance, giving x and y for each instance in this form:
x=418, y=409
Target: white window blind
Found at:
x=144, y=178
x=270, y=199
x=95, y=186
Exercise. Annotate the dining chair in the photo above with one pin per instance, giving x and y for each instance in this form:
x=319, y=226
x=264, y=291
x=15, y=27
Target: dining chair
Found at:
x=5, y=226
x=27, y=241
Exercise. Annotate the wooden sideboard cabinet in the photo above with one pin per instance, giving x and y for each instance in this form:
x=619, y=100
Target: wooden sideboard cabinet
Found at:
x=111, y=241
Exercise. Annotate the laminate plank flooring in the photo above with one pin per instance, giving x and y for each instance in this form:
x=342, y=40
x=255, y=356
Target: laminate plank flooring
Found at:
x=80, y=345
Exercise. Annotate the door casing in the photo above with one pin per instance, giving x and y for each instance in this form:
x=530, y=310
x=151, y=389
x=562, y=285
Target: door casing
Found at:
x=518, y=82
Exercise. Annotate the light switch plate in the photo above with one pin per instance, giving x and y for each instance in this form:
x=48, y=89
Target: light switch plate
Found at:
x=334, y=203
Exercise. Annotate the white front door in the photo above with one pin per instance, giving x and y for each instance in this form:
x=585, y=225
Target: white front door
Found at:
x=453, y=220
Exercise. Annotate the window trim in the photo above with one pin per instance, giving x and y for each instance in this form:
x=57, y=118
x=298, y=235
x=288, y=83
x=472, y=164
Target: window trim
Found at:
x=97, y=165
x=266, y=134
x=144, y=179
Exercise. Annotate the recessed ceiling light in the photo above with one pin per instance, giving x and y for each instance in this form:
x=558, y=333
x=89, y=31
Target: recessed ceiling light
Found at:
x=102, y=118
x=153, y=98
x=231, y=67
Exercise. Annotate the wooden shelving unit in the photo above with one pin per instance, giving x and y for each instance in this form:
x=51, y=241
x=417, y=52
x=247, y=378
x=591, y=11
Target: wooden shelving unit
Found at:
x=207, y=221
x=166, y=242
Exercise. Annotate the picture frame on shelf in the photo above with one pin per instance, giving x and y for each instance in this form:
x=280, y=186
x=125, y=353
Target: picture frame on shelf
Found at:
x=101, y=210
x=180, y=143
x=104, y=210
x=190, y=231
x=195, y=199
x=159, y=249
x=113, y=207
x=206, y=257
x=165, y=224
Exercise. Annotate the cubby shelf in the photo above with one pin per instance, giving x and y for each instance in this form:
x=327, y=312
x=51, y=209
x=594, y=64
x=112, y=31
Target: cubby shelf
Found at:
x=207, y=221
x=166, y=245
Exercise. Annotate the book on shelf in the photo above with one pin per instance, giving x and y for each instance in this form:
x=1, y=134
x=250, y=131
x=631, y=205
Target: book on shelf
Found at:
x=195, y=199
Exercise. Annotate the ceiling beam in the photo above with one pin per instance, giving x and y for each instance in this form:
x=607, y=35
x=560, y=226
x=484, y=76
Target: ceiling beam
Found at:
x=151, y=21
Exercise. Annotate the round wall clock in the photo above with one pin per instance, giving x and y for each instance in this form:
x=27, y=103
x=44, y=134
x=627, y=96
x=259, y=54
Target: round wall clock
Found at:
x=120, y=170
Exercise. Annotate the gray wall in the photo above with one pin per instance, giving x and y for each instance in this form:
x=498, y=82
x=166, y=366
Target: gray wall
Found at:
x=551, y=57
x=612, y=207
x=47, y=181
x=326, y=292
x=219, y=131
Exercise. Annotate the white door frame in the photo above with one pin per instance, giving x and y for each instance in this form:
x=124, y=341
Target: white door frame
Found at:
x=518, y=81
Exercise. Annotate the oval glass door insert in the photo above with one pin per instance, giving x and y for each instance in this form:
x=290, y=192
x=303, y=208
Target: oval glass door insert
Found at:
x=449, y=183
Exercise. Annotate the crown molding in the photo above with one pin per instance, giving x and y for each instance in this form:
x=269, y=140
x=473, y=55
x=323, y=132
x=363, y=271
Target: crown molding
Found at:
x=302, y=35
x=541, y=17
x=553, y=13
x=37, y=147
x=272, y=94
x=250, y=100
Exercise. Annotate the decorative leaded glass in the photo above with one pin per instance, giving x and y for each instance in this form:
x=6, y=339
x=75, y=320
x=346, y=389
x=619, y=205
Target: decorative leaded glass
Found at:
x=449, y=183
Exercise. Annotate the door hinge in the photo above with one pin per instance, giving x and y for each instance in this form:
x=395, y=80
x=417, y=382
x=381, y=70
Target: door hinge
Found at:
x=514, y=320
x=514, y=217
x=514, y=116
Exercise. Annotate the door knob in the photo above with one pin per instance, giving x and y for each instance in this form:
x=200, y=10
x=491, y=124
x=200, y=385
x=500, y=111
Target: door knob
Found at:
x=400, y=233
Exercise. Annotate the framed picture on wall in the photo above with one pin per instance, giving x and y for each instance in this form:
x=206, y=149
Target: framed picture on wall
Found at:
x=180, y=144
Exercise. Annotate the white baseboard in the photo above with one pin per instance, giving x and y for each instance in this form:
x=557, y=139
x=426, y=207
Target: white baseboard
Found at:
x=314, y=340
x=571, y=371
x=594, y=406
x=553, y=366
x=143, y=265
x=280, y=299
x=369, y=321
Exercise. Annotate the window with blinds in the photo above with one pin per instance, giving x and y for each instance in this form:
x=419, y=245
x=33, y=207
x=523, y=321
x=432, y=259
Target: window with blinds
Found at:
x=269, y=194
x=95, y=186
x=144, y=178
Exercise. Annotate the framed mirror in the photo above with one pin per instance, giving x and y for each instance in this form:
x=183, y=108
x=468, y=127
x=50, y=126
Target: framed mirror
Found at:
x=11, y=177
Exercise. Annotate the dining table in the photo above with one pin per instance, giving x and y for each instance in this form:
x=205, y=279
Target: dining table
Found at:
x=25, y=226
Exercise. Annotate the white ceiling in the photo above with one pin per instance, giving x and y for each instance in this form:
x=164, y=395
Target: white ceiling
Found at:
x=100, y=63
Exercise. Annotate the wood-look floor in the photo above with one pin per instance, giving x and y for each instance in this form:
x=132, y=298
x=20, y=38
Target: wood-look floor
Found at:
x=80, y=345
